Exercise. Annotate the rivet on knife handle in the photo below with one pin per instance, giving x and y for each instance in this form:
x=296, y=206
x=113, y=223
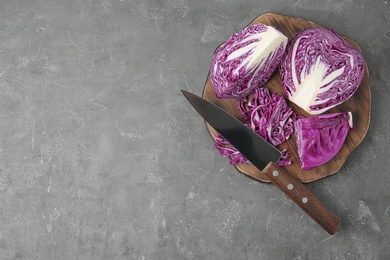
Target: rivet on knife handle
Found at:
x=306, y=200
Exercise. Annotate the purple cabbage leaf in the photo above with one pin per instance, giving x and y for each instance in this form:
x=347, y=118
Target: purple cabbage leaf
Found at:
x=319, y=138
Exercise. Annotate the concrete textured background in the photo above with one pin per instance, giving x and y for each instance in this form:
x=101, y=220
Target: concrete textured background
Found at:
x=102, y=158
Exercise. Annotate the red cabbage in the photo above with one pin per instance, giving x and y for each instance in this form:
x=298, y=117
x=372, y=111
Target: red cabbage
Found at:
x=319, y=138
x=320, y=70
x=268, y=116
x=246, y=60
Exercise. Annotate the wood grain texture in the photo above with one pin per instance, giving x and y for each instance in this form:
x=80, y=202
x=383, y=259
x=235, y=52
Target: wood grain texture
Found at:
x=359, y=104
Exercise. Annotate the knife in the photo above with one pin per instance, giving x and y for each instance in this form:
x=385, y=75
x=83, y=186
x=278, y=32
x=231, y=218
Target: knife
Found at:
x=263, y=156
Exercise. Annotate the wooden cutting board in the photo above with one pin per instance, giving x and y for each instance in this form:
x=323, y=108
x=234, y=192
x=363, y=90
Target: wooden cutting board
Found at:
x=359, y=104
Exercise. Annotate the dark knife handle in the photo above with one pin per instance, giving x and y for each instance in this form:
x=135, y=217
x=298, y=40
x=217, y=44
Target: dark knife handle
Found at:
x=306, y=200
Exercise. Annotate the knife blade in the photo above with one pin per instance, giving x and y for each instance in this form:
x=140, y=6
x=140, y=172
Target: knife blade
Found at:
x=263, y=156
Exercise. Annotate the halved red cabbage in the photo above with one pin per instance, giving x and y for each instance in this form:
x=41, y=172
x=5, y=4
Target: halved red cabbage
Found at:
x=269, y=116
x=319, y=138
x=320, y=70
x=246, y=60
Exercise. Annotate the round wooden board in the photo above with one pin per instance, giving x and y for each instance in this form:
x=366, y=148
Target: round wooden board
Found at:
x=359, y=104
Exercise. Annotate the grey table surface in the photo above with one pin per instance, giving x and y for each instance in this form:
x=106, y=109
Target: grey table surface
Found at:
x=102, y=158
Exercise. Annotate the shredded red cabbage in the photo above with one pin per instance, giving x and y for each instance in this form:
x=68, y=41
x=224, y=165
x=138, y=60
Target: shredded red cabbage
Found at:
x=267, y=115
